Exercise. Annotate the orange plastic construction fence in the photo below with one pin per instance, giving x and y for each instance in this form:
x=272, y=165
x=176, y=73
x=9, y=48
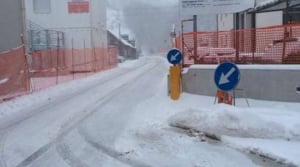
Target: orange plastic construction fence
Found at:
x=66, y=61
x=50, y=67
x=270, y=45
x=14, y=78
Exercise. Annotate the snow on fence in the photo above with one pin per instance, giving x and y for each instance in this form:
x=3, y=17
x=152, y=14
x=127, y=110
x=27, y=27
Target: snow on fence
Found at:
x=269, y=45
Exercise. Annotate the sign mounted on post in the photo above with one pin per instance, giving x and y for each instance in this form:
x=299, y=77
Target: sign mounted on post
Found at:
x=196, y=7
x=227, y=76
x=174, y=56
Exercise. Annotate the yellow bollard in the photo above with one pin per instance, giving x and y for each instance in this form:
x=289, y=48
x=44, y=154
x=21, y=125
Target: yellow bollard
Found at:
x=175, y=82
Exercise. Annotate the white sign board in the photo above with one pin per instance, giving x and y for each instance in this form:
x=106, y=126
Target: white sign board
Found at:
x=197, y=7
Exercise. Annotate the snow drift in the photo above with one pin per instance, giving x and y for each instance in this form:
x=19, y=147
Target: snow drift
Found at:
x=237, y=122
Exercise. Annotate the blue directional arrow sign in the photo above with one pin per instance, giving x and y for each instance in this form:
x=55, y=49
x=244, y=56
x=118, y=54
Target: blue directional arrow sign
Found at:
x=174, y=56
x=227, y=76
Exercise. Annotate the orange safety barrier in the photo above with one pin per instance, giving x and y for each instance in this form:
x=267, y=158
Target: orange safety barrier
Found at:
x=269, y=45
x=46, y=62
x=50, y=67
x=14, y=78
x=69, y=64
x=224, y=97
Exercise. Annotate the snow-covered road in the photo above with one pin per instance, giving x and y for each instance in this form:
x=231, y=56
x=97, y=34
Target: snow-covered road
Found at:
x=102, y=124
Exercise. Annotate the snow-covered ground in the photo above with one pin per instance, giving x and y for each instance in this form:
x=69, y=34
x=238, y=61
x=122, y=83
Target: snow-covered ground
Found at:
x=121, y=118
x=270, y=129
x=149, y=138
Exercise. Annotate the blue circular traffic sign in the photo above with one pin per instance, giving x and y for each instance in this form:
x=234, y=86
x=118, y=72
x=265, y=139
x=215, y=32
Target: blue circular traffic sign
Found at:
x=227, y=76
x=174, y=56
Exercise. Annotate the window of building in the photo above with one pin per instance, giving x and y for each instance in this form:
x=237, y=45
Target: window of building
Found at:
x=42, y=6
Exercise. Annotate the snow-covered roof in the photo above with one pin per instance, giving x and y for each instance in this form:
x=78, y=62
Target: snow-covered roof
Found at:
x=274, y=5
x=266, y=3
x=113, y=21
x=115, y=34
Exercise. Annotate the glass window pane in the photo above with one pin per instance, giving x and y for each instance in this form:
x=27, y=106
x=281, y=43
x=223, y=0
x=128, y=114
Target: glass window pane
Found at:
x=42, y=6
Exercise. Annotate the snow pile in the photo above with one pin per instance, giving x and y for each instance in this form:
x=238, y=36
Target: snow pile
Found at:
x=269, y=129
x=232, y=121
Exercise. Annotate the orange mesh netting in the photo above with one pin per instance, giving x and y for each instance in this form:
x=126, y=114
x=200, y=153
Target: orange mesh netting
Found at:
x=14, y=77
x=270, y=45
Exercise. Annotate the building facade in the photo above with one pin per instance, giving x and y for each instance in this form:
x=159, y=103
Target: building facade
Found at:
x=14, y=76
x=76, y=26
x=11, y=21
x=79, y=19
x=266, y=13
x=124, y=46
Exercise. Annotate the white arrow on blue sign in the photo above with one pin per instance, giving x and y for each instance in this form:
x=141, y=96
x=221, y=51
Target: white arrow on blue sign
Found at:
x=174, y=56
x=227, y=76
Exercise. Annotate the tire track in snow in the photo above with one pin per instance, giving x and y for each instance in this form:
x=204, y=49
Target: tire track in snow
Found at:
x=70, y=125
x=65, y=152
x=119, y=156
x=109, y=151
x=64, y=99
x=46, y=147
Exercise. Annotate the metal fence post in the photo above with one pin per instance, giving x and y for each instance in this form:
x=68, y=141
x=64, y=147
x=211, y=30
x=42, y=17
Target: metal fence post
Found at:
x=84, y=54
x=73, y=59
x=57, y=58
